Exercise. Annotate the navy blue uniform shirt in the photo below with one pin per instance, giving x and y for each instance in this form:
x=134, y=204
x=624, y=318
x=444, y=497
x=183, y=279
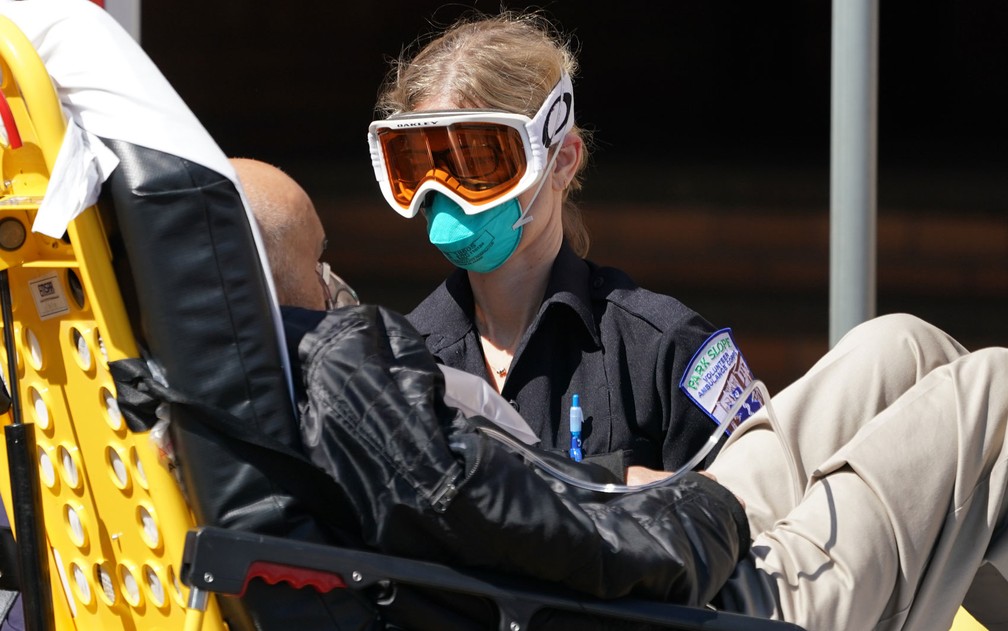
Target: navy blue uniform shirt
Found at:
x=597, y=334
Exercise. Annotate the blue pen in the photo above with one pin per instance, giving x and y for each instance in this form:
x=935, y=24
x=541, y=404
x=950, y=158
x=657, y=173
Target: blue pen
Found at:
x=576, y=419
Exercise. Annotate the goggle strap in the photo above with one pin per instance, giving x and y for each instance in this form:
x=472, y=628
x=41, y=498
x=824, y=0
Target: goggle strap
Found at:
x=556, y=116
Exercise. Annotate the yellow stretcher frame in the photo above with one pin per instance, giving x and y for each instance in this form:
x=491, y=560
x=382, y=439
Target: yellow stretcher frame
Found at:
x=115, y=518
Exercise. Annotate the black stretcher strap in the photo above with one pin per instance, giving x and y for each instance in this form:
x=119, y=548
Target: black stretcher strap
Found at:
x=139, y=396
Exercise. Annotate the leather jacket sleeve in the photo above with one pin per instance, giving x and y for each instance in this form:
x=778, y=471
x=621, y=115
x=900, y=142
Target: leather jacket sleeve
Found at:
x=424, y=482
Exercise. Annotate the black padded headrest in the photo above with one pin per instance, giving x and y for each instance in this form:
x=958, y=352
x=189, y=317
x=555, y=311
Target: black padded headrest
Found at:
x=203, y=305
x=184, y=248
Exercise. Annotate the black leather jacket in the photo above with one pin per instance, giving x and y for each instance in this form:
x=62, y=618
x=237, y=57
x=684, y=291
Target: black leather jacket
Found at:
x=424, y=482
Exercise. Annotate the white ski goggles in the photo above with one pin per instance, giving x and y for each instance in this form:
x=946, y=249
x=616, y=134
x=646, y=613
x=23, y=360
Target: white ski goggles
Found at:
x=478, y=158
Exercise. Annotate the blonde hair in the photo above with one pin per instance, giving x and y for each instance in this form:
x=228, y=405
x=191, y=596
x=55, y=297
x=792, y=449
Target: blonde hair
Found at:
x=508, y=62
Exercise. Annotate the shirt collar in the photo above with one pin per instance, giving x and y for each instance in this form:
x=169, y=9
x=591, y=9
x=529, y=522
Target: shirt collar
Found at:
x=447, y=315
x=570, y=285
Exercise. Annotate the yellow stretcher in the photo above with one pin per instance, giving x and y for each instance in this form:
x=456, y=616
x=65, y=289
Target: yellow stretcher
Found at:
x=113, y=518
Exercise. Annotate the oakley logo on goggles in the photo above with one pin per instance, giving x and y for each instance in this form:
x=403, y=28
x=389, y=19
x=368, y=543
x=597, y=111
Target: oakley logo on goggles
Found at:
x=478, y=158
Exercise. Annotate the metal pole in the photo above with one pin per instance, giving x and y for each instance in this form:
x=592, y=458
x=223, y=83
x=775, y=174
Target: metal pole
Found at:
x=127, y=13
x=853, y=164
x=26, y=494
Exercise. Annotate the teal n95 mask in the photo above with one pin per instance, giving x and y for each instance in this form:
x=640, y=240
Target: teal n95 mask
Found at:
x=478, y=243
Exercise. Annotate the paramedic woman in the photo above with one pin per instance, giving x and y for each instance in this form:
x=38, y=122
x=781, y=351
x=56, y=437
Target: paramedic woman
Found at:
x=524, y=309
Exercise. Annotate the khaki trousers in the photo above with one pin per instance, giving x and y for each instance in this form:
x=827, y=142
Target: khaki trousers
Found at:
x=882, y=489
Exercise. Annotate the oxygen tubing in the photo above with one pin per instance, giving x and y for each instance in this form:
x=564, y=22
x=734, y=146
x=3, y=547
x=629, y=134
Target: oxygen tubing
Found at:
x=697, y=458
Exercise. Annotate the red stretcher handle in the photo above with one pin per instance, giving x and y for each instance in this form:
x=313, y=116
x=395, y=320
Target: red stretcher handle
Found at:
x=298, y=577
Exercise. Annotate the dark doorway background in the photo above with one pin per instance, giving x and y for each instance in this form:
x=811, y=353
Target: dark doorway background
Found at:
x=710, y=173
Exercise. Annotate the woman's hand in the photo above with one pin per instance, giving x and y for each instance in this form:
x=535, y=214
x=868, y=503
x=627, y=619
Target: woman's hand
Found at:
x=712, y=477
x=636, y=475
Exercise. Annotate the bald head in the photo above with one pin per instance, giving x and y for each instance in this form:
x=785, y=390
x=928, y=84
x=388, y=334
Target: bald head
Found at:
x=291, y=231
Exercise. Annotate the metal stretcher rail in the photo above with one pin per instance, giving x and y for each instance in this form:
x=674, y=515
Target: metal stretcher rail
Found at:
x=224, y=561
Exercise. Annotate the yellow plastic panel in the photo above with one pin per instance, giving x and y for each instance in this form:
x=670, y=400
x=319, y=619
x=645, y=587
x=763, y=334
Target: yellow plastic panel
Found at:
x=115, y=519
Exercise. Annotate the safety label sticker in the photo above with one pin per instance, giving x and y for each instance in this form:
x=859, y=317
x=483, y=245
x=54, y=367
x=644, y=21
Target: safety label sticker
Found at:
x=717, y=376
x=50, y=300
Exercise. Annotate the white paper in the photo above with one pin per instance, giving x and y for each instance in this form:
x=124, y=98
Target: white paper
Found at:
x=82, y=165
x=474, y=397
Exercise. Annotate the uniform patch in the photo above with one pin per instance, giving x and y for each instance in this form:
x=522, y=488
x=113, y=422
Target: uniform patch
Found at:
x=715, y=378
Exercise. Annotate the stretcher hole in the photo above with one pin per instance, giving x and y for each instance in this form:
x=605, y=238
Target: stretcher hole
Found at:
x=130, y=588
x=101, y=347
x=83, y=352
x=148, y=527
x=82, y=586
x=104, y=578
x=113, y=415
x=69, y=468
x=141, y=475
x=34, y=349
x=76, y=288
x=46, y=470
x=40, y=408
x=155, y=586
x=117, y=467
x=75, y=527
x=176, y=585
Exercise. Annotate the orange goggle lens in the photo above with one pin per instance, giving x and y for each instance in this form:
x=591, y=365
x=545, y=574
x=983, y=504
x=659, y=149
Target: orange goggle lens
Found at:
x=479, y=161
